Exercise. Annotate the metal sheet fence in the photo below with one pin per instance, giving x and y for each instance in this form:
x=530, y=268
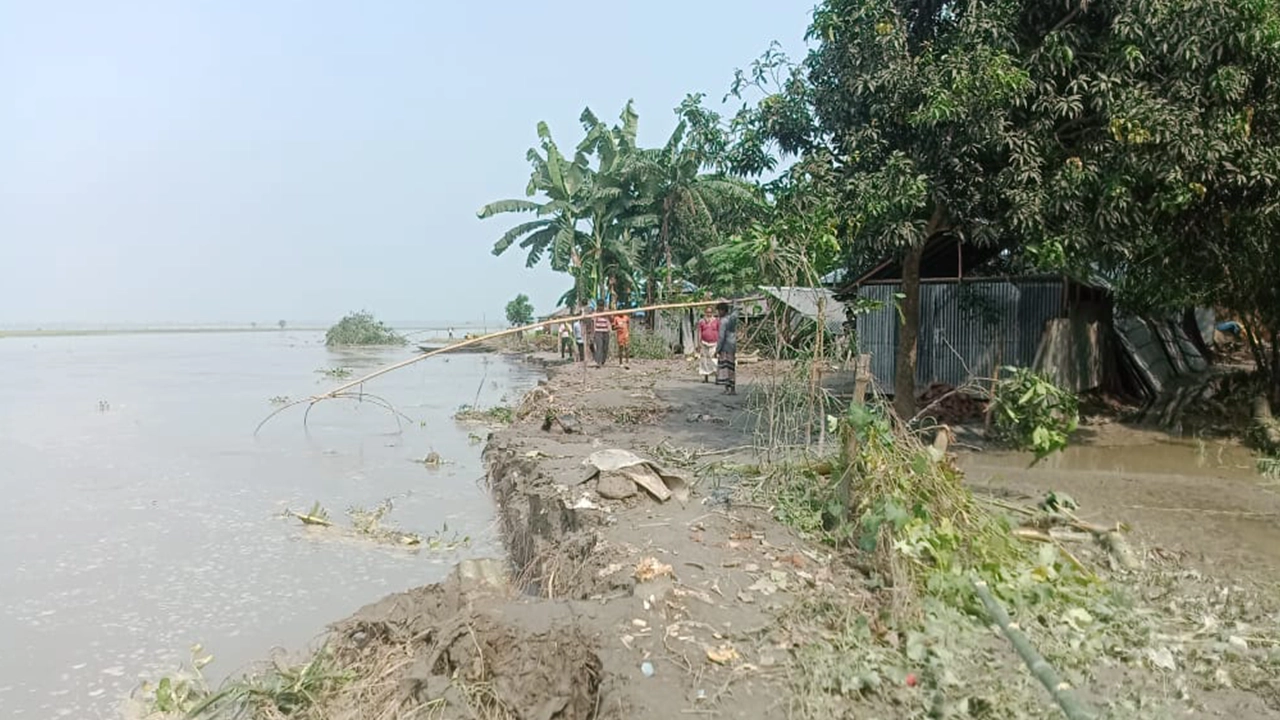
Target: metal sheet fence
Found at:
x=967, y=329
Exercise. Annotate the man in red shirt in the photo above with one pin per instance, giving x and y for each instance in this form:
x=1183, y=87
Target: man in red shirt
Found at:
x=600, y=339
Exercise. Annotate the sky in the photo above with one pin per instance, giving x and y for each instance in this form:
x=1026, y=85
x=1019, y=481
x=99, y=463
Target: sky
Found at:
x=255, y=160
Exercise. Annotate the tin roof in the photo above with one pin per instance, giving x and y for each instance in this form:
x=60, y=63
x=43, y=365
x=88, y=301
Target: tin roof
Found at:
x=812, y=303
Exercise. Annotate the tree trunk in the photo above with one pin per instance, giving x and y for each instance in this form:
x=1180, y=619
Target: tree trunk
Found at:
x=666, y=240
x=904, y=381
x=1273, y=372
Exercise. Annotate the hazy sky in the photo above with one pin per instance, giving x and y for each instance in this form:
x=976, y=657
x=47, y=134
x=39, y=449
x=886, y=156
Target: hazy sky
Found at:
x=235, y=160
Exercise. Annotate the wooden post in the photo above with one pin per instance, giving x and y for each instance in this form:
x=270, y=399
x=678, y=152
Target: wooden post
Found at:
x=861, y=378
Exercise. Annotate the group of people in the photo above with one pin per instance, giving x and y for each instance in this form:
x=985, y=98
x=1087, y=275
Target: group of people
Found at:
x=573, y=336
x=717, y=348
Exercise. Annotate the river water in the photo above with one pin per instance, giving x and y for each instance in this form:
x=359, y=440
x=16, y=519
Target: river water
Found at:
x=141, y=514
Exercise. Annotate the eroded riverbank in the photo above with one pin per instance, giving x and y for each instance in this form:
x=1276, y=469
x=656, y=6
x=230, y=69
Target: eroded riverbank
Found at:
x=611, y=604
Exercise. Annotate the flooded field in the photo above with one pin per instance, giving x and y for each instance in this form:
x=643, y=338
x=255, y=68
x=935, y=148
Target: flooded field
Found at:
x=141, y=515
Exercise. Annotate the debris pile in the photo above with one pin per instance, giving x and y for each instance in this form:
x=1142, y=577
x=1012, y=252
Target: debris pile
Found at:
x=951, y=406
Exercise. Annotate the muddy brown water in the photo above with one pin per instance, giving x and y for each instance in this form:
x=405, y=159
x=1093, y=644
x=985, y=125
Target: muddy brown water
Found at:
x=141, y=515
x=1205, y=497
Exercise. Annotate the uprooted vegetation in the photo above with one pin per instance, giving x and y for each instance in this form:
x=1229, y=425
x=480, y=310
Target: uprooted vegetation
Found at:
x=369, y=524
x=941, y=566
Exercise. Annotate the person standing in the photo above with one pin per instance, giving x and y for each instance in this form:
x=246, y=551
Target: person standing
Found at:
x=708, y=339
x=566, y=341
x=577, y=338
x=600, y=340
x=727, y=349
x=622, y=326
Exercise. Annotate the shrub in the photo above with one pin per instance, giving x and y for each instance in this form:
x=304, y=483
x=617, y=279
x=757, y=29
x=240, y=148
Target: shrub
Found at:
x=649, y=346
x=1029, y=412
x=360, y=328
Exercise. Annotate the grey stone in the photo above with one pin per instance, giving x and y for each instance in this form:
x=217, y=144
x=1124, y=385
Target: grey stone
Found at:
x=615, y=486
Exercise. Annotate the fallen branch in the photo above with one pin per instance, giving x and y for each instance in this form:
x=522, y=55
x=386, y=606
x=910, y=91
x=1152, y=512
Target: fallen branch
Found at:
x=1108, y=537
x=1035, y=662
x=1056, y=541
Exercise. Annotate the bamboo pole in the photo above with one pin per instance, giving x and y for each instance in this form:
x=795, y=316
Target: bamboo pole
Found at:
x=512, y=331
x=1035, y=662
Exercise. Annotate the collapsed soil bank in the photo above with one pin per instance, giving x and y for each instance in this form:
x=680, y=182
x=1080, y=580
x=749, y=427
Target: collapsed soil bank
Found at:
x=624, y=608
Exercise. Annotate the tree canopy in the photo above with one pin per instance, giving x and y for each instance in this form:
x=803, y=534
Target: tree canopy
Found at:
x=619, y=217
x=1132, y=140
x=1126, y=140
x=520, y=311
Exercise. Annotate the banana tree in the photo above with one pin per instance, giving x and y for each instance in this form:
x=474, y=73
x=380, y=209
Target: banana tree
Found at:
x=563, y=186
x=612, y=199
x=689, y=210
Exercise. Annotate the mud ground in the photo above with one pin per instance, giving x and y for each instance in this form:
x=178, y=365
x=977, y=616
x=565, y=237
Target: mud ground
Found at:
x=633, y=608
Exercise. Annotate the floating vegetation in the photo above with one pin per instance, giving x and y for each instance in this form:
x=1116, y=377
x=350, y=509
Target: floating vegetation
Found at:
x=317, y=515
x=496, y=415
x=474, y=439
x=335, y=373
x=444, y=541
x=368, y=523
x=433, y=460
x=279, y=400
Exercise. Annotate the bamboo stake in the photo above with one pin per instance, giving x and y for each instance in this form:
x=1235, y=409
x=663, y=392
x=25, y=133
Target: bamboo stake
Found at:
x=338, y=391
x=1035, y=662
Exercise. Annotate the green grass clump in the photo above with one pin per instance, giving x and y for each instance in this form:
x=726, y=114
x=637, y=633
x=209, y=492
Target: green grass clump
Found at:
x=496, y=415
x=649, y=346
x=361, y=328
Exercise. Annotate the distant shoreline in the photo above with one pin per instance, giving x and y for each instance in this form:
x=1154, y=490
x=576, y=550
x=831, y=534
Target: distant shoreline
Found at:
x=407, y=330
x=150, y=331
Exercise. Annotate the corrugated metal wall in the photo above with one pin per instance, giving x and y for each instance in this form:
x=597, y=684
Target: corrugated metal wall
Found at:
x=966, y=329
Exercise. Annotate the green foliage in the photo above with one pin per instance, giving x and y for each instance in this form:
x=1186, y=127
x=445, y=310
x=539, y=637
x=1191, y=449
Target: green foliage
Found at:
x=442, y=540
x=184, y=690
x=368, y=523
x=619, y=217
x=282, y=691
x=649, y=346
x=361, y=328
x=1031, y=413
x=520, y=311
x=497, y=415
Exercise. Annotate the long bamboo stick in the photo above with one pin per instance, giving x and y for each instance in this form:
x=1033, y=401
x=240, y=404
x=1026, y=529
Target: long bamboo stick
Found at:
x=1035, y=662
x=512, y=331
